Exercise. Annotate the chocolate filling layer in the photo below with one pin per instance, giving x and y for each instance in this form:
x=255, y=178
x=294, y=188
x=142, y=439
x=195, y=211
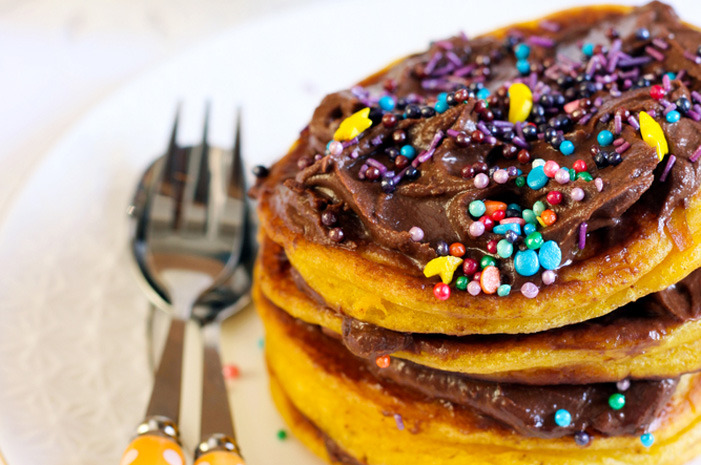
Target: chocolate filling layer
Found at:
x=310, y=182
x=528, y=410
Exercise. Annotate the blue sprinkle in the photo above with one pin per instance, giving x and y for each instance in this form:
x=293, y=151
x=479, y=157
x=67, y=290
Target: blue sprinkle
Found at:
x=671, y=75
x=408, y=151
x=536, y=178
x=526, y=262
x=483, y=93
x=647, y=439
x=523, y=66
x=673, y=116
x=588, y=49
x=567, y=147
x=550, y=255
x=529, y=228
x=503, y=290
x=605, y=138
x=502, y=228
x=386, y=103
x=261, y=343
x=522, y=51
x=514, y=206
x=442, y=96
x=440, y=106
x=563, y=418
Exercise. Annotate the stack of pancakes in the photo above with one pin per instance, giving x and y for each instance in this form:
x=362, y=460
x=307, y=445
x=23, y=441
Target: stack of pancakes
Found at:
x=399, y=330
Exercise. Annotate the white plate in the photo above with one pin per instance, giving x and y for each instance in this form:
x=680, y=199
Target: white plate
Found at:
x=74, y=377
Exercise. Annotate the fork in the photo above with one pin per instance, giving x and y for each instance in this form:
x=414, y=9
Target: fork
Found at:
x=189, y=225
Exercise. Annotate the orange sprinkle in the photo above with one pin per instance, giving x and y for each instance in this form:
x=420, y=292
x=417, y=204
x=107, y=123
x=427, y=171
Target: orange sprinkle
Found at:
x=382, y=361
x=493, y=205
x=490, y=279
x=230, y=371
x=549, y=217
x=457, y=249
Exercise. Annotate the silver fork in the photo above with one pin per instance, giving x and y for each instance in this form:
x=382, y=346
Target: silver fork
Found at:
x=189, y=224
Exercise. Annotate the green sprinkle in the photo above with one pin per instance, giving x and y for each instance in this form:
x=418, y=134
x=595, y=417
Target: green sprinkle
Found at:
x=584, y=175
x=461, y=282
x=281, y=434
x=487, y=261
x=261, y=343
x=477, y=208
x=529, y=216
x=538, y=208
x=573, y=174
x=534, y=240
x=617, y=401
x=503, y=290
x=520, y=181
x=505, y=248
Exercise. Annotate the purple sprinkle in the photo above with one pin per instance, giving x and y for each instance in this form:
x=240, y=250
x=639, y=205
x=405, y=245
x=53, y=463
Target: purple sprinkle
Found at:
x=529, y=290
x=582, y=236
x=361, y=173
x=615, y=47
x=503, y=124
x=617, y=124
x=377, y=140
x=637, y=61
x=348, y=143
x=452, y=133
x=692, y=56
x=398, y=177
x=444, y=70
x=681, y=74
x=432, y=148
x=652, y=113
x=694, y=115
x=490, y=140
x=623, y=384
x=666, y=83
x=444, y=44
x=623, y=147
x=483, y=127
x=520, y=142
x=634, y=122
x=512, y=171
x=665, y=103
x=376, y=164
x=438, y=84
x=549, y=25
x=355, y=153
x=465, y=70
x=672, y=107
x=598, y=101
x=606, y=118
x=696, y=155
x=399, y=421
x=618, y=141
x=697, y=108
x=654, y=53
x=670, y=162
x=453, y=58
x=359, y=92
x=599, y=183
x=659, y=43
x=541, y=41
x=593, y=63
x=632, y=74
x=416, y=233
x=430, y=66
x=584, y=119
x=519, y=130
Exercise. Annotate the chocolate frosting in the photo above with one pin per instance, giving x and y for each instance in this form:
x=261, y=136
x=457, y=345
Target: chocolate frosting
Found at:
x=527, y=409
x=309, y=181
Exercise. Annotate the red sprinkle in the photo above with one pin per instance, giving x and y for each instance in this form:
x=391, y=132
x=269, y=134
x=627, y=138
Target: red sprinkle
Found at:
x=230, y=371
x=382, y=361
x=441, y=291
x=477, y=276
x=579, y=166
x=492, y=246
x=488, y=222
x=469, y=266
x=554, y=197
x=657, y=92
x=457, y=249
x=498, y=215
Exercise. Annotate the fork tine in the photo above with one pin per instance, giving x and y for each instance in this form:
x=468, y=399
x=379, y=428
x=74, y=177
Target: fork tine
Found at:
x=237, y=182
x=203, y=179
x=174, y=174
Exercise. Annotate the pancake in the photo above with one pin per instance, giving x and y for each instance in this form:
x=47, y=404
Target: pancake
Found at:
x=639, y=228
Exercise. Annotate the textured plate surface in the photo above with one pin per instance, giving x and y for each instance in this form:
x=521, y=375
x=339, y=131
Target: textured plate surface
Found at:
x=74, y=376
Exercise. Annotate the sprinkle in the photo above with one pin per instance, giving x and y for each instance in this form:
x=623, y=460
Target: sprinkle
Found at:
x=588, y=49
x=562, y=176
x=334, y=147
x=694, y=115
x=541, y=41
x=374, y=163
x=582, y=438
x=549, y=25
x=500, y=176
x=652, y=134
x=383, y=361
x=672, y=116
x=577, y=194
x=230, y=371
x=461, y=283
x=599, y=183
x=666, y=83
x=520, y=142
x=537, y=179
x=281, y=434
x=504, y=290
x=548, y=277
x=563, y=418
x=353, y=125
x=623, y=384
x=526, y=262
x=375, y=141
x=399, y=421
x=659, y=43
x=550, y=255
x=637, y=61
x=520, y=102
x=474, y=288
x=387, y=103
x=529, y=290
x=696, y=155
x=521, y=51
x=548, y=217
x=670, y=162
x=261, y=343
x=582, y=235
x=696, y=96
x=424, y=156
x=654, y=53
x=634, y=122
x=647, y=439
x=693, y=57
x=554, y=197
x=604, y=138
x=408, y=151
x=567, y=147
x=490, y=279
x=523, y=66
x=534, y=241
x=550, y=168
x=416, y=233
x=481, y=181
x=623, y=147
x=443, y=266
x=453, y=58
x=476, y=229
x=617, y=124
x=617, y=401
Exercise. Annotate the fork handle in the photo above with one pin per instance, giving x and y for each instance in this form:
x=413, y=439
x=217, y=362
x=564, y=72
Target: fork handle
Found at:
x=220, y=457
x=152, y=449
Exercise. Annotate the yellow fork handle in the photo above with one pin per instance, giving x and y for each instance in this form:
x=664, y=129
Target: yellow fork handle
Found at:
x=220, y=457
x=150, y=449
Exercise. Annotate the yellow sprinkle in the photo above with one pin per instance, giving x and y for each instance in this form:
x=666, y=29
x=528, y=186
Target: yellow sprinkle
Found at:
x=443, y=266
x=653, y=135
x=540, y=220
x=353, y=125
x=520, y=102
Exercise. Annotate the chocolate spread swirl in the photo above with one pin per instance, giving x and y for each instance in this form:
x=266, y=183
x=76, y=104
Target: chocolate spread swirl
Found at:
x=309, y=182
